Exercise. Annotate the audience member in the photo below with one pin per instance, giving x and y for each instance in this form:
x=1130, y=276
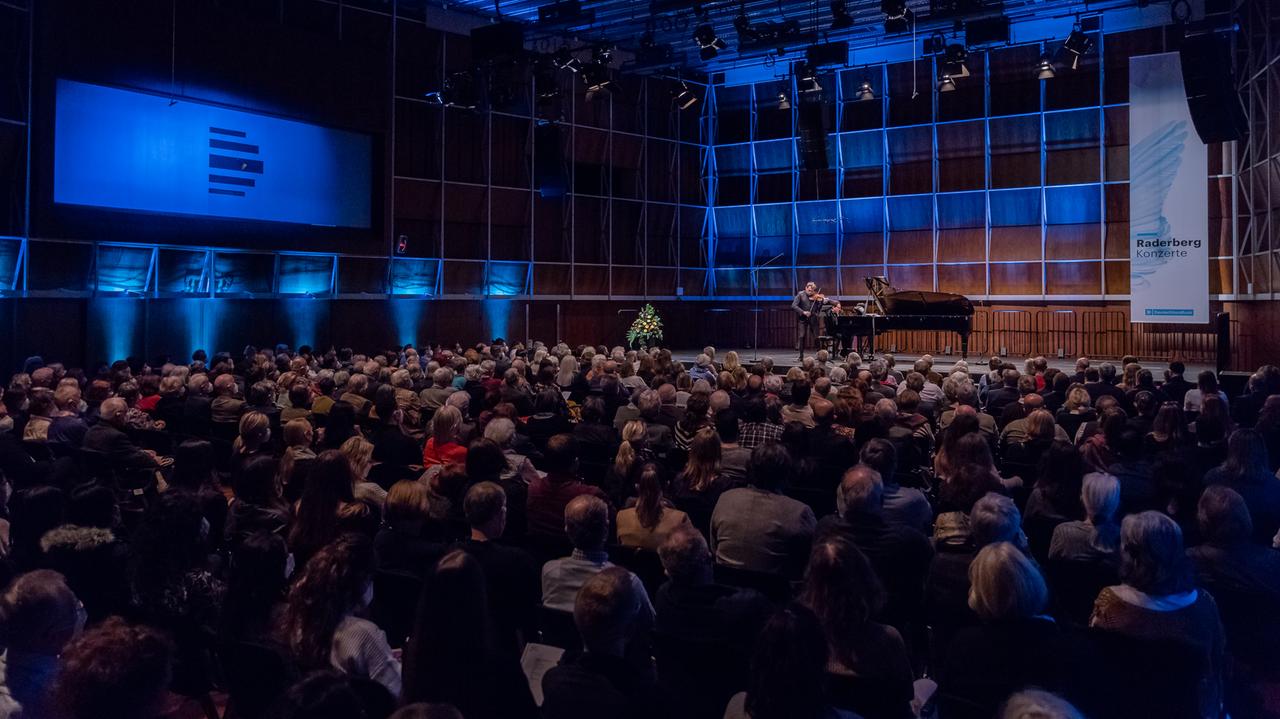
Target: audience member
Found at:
x=756, y=527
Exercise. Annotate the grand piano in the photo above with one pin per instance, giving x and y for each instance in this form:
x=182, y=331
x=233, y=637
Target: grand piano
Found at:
x=892, y=309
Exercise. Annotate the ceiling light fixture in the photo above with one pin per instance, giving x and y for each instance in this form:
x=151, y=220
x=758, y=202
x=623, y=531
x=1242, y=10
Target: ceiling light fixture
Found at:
x=897, y=16
x=807, y=78
x=953, y=61
x=784, y=102
x=865, y=92
x=1044, y=68
x=684, y=97
x=946, y=84
x=709, y=43
x=1077, y=45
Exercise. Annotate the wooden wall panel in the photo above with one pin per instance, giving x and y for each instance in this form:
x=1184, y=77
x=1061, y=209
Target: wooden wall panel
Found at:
x=1073, y=278
x=963, y=279
x=1015, y=278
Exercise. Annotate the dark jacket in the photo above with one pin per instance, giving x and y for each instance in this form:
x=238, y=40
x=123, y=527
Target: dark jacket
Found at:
x=94, y=562
x=590, y=686
x=116, y=445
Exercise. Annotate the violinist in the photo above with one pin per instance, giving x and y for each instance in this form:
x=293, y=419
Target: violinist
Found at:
x=808, y=307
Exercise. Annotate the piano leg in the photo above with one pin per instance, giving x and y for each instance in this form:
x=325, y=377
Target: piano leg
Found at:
x=964, y=345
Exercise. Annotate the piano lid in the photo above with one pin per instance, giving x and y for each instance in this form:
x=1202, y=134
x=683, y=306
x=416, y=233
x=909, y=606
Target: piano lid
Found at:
x=893, y=301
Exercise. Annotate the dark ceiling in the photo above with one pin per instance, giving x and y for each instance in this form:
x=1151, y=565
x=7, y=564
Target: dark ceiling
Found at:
x=628, y=24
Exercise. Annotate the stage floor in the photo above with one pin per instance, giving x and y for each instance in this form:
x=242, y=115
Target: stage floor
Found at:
x=785, y=357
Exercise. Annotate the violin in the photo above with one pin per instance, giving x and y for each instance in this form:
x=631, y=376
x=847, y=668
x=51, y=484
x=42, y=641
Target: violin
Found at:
x=821, y=299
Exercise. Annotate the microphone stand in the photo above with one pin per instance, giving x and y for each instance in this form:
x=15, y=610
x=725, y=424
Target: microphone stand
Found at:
x=755, y=332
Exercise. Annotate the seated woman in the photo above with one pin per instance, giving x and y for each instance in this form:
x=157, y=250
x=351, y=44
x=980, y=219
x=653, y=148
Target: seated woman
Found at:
x=1076, y=411
x=699, y=486
x=1166, y=433
x=409, y=541
x=321, y=625
x=1014, y=646
x=1157, y=599
x=258, y=504
x=298, y=456
x=1056, y=496
x=256, y=589
x=787, y=677
x=328, y=507
x=1096, y=538
x=359, y=452
x=443, y=446
x=842, y=589
x=453, y=656
x=648, y=524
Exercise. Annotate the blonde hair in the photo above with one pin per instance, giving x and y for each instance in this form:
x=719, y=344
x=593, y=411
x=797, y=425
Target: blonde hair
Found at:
x=359, y=452
x=731, y=361
x=633, y=432
x=255, y=429
x=1077, y=398
x=406, y=500
x=1005, y=584
x=1040, y=425
x=445, y=423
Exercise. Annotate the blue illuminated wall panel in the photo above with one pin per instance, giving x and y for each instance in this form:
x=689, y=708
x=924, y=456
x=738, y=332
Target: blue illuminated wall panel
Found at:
x=305, y=274
x=123, y=269
x=128, y=150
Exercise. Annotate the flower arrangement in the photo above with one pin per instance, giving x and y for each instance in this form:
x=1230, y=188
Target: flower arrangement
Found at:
x=646, y=330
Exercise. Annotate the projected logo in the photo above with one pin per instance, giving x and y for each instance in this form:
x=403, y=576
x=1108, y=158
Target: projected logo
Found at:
x=244, y=163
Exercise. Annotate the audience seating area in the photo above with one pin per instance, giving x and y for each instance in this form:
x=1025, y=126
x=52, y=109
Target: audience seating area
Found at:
x=510, y=531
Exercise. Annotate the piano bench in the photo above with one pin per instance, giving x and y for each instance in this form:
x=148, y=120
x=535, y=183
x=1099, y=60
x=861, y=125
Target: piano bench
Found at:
x=825, y=342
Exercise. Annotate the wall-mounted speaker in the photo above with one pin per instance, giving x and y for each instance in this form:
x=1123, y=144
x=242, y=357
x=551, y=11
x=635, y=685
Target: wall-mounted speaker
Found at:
x=1208, y=73
x=811, y=135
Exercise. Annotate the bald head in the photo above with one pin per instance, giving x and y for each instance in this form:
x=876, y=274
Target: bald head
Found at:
x=113, y=410
x=586, y=521
x=861, y=491
x=1032, y=401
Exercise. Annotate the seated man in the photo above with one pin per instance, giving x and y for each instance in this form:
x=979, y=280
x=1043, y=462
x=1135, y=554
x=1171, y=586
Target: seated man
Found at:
x=109, y=438
x=690, y=605
x=586, y=521
x=611, y=613
x=900, y=555
x=550, y=495
x=757, y=527
x=510, y=572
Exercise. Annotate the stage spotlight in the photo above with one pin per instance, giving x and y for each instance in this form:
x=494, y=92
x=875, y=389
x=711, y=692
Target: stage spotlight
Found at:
x=742, y=24
x=953, y=60
x=946, y=84
x=459, y=91
x=897, y=16
x=1044, y=68
x=564, y=60
x=807, y=78
x=709, y=43
x=840, y=18
x=1076, y=46
x=784, y=102
x=865, y=92
x=684, y=97
x=595, y=76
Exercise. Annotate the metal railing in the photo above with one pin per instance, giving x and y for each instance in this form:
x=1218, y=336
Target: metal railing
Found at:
x=1014, y=333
